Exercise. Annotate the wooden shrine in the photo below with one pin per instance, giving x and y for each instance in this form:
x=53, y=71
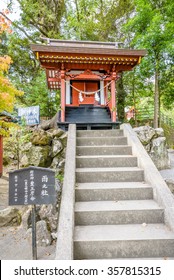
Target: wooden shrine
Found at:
x=86, y=74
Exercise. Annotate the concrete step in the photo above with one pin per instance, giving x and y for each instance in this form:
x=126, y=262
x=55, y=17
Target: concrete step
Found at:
x=123, y=241
x=106, y=161
x=101, y=141
x=87, y=115
x=102, y=150
x=85, y=118
x=91, y=113
x=100, y=133
x=118, y=212
x=119, y=174
x=113, y=191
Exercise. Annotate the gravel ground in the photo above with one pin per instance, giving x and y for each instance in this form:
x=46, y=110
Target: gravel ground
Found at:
x=14, y=246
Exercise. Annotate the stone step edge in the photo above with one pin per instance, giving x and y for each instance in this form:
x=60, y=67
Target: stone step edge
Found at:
x=101, y=137
x=126, y=205
x=106, y=146
x=106, y=156
x=109, y=169
x=112, y=185
x=128, y=232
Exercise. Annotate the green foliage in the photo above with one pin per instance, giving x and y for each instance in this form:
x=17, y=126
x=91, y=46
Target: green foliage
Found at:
x=25, y=67
x=5, y=128
x=17, y=136
x=37, y=93
x=150, y=28
x=43, y=16
x=96, y=20
x=169, y=134
x=121, y=95
x=138, y=24
x=167, y=88
x=59, y=177
x=138, y=86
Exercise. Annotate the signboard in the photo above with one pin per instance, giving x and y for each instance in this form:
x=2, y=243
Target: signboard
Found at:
x=30, y=114
x=32, y=185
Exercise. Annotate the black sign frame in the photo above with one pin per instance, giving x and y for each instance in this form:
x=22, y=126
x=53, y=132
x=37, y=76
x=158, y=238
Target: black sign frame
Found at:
x=32, y=186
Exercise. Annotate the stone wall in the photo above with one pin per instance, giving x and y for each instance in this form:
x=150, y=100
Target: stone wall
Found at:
x=40, y=148
x=154, y=142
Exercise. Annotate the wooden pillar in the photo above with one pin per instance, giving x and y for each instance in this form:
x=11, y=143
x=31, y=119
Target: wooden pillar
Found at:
x=63, y=95
x=1, y=155
x=113, y=98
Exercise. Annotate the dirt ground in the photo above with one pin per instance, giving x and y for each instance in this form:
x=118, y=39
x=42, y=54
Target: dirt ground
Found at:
x=15, y=246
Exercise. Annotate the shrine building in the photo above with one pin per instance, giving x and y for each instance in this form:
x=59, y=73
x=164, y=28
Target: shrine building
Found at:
x=86, y=74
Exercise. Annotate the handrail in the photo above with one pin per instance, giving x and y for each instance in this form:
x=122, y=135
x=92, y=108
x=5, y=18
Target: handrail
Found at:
x=64, y=248
x=161, y=192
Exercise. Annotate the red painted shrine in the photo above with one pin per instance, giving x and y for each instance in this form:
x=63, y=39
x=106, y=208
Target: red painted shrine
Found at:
x=86, y=74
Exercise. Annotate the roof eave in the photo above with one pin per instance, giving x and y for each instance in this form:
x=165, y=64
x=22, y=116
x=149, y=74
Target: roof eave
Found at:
x=84, y=50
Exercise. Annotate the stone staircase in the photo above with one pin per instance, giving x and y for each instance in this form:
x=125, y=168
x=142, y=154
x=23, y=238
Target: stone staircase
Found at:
x=88, y=113
x=116, y=215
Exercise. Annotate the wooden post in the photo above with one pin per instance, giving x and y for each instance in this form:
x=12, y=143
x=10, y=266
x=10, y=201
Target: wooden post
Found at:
x=63, y=94
x=1, y=155
x=113, y=98
x=34, y=244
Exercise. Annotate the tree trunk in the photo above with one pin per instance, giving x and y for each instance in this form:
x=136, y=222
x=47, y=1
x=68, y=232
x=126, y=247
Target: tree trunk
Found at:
x=156, y=96
x=134, y=98
x=121, y=94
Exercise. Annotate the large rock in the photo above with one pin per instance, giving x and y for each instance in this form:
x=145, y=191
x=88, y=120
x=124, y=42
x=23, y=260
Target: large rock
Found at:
x=37, y=156
x=170, y=183
x=25, y=147
x=159, y=132
x=10, y=217
x=49, y=213
x=10, y=151
x=26, y=219
x=55, y=133
x=154, y=143
x=63, y=139
x=58, y=163
x=56, y=147
x=145, y=134
x=25, y=150
x=24, y=162
x=40, y=138
x=43, y=236
x=159, y=153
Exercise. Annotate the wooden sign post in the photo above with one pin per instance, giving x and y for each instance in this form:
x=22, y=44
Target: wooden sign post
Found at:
x=32, y=186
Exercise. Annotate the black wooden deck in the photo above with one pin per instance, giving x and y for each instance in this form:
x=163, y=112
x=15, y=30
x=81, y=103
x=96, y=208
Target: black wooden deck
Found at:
x=88, y=117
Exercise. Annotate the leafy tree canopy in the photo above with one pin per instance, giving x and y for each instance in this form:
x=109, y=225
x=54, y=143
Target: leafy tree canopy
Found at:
x=137, y=24
x=8, y=92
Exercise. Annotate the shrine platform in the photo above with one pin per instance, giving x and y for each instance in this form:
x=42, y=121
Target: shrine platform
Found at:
x=88, y=117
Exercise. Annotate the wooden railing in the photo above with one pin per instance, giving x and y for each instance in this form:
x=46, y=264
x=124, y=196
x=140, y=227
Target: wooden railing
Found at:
x=167, y=120
x=143, y=115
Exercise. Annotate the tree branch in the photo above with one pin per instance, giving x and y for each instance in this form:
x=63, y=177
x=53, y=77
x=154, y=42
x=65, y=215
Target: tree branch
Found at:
x=38, y=28
x=18, y=27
